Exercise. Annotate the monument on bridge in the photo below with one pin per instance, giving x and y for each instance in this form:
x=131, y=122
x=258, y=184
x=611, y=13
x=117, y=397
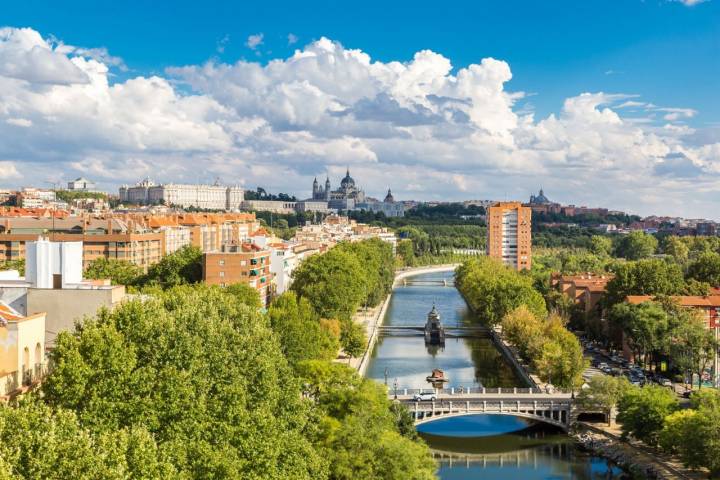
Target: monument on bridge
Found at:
x=434, y=330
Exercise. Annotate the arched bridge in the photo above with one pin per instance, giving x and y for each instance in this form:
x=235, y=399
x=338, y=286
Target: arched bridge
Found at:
x=551, y=408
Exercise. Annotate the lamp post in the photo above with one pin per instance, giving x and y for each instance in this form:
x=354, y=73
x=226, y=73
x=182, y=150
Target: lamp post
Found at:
x=386, y=375
x=395, y=388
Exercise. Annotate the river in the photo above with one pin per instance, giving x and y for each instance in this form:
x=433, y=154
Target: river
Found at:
x=476, y=446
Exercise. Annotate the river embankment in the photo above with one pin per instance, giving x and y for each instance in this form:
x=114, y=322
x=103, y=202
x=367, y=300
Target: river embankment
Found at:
x=373, y=318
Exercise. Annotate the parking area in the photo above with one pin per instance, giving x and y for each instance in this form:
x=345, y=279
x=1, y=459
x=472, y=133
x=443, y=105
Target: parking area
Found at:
x=604, y=362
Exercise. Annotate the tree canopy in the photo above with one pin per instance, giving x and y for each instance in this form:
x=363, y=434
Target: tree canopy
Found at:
x=493, y=290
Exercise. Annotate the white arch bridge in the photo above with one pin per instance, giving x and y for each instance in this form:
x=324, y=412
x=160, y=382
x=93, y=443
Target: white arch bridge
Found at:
x=551, y=408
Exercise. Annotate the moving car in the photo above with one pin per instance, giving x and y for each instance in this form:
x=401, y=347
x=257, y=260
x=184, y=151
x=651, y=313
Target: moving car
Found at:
x=425, y=397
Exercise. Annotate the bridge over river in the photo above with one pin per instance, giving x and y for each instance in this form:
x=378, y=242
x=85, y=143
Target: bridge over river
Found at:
x=486, y=415
x=533, y=404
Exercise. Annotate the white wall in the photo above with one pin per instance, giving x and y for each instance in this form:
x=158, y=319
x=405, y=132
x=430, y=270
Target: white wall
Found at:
x=45, y=259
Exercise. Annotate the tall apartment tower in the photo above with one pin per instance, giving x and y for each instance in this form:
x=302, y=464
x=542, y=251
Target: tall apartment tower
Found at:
x=509, y=238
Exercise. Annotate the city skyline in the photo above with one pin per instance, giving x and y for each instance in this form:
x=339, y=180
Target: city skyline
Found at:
x=433, y=119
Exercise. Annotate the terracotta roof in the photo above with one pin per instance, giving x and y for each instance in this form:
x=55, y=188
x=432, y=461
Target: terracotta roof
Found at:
x=8, y=314
x=683, y=300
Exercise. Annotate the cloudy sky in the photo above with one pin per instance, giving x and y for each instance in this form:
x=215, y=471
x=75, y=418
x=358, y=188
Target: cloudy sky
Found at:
x=612, y=104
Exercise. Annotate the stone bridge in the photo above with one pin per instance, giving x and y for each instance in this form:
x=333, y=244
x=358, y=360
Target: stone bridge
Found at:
x=551, y=408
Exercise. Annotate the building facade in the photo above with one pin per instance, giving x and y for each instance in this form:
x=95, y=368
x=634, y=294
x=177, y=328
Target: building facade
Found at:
x=344, y=198
x=81, y=184
x=212, y=197
x=239, y=263
x=509, y=234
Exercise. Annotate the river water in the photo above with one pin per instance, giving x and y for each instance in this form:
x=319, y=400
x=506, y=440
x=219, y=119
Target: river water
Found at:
x=475, y=446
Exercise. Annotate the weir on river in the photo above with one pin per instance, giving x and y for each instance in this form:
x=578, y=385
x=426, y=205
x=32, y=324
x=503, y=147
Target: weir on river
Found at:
x=470, y=360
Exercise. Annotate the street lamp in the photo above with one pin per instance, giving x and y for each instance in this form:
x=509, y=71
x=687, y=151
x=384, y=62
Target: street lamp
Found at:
x=386, y=375
x=395, y=388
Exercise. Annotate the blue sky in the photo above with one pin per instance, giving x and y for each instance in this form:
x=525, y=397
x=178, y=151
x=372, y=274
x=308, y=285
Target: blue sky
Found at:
x=664, y=51
x=437, y=101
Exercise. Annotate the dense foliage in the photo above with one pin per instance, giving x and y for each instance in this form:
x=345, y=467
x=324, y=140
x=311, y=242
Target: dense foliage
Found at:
x=346, y=277
x=554, y=352
x=493, y=290
x=70, y=195
x=119, y=272
x=642, y=411
x=191, y=382
x=182, y=267
x=694, y=434
x=602, y=393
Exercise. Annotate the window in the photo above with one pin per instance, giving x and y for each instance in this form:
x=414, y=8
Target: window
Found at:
x=222, y=274
x=221, y=262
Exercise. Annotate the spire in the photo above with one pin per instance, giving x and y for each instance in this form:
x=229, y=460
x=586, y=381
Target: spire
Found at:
x=347, y=172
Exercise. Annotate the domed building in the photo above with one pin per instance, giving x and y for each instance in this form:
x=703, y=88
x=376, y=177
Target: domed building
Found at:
x=344, y=198
x=539, y=199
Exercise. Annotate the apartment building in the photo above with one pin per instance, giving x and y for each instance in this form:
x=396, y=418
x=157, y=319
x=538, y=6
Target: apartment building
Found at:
x=509, y=234
x=110, y=238
x=586, y=289
x=239, y=263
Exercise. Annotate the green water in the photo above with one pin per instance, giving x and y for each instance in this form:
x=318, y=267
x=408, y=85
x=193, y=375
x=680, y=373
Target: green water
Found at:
x=475, y=446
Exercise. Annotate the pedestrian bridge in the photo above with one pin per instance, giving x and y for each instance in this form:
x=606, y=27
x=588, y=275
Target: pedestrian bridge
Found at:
x=409, y=282
x=551, y=408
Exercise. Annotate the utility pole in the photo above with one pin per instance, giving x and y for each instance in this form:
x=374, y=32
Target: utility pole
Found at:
x=54, y=190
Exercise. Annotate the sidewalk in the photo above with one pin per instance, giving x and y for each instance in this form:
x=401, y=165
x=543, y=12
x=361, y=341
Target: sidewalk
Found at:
x=370, y=319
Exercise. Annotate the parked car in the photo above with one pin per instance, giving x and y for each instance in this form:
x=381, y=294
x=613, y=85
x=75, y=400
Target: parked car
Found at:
x=664, y=382
x=602, y=365
x=425, y=397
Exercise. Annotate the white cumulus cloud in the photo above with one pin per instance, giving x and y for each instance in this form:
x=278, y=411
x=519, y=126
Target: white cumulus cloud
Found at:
x=421, y=127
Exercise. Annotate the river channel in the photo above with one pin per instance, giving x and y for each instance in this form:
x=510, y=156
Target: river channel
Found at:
x=476, y=446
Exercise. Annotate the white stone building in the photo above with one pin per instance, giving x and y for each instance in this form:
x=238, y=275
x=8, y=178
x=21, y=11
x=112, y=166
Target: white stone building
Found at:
x=214, y=197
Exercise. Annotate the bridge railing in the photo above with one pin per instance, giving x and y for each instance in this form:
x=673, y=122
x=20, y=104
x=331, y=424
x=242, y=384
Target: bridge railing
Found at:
x=468, y=390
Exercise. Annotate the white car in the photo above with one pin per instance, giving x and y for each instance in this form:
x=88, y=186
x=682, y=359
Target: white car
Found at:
x=665, y=382
x=425, y=397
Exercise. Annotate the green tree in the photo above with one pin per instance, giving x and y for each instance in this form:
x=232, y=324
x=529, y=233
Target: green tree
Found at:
x=694, y=434
x=302, y=336
x=18, y=265
x=360, y=431
x=39, y=442
x=603, y=394
x=493, y=290
x=199, y=370
x=181, y=267
x=245, y=294
x=644, y=277
x=676, y=248
x=119, y=272
x=406, y=252
x=706, y=268
x=642, y=411
x=693, y=345
x=352, y=338
x=645, y=325
x=334, y=283
x=600, y=245
x=636, y=245
x=561, y=360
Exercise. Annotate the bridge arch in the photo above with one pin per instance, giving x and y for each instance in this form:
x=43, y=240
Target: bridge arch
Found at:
x=529, y=416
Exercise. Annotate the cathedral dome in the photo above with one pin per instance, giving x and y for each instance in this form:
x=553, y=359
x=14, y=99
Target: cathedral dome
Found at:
x=348, y=180
x=389, y=197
